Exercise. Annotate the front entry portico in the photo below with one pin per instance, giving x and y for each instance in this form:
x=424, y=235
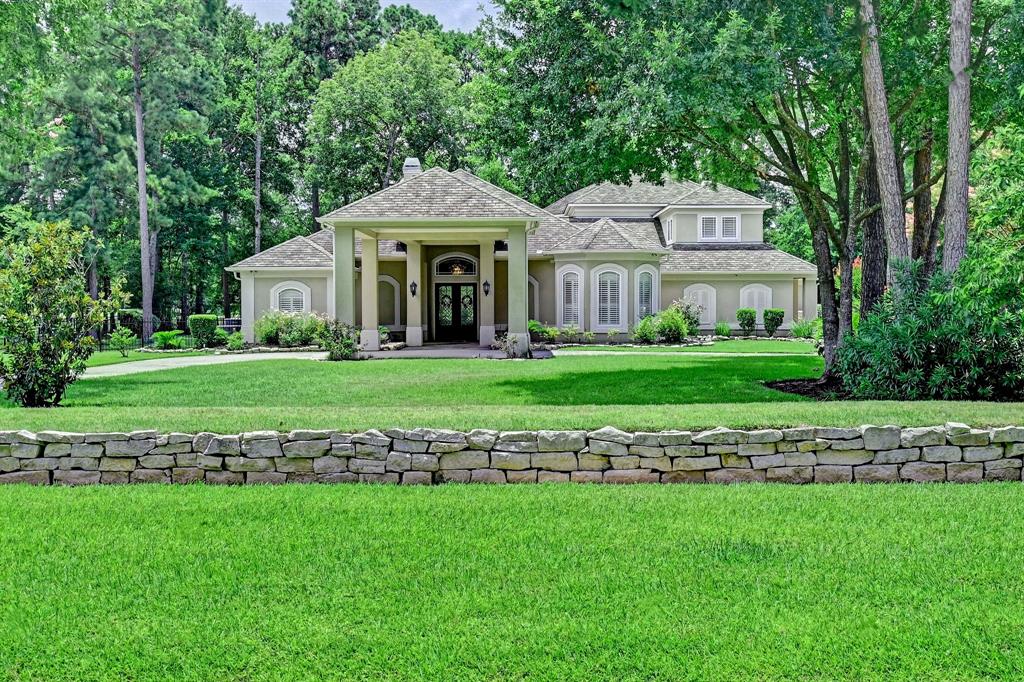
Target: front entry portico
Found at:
x=448, y=297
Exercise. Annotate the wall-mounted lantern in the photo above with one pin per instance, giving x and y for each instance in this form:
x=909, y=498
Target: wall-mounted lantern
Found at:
x=412, y=289
x=487, y=288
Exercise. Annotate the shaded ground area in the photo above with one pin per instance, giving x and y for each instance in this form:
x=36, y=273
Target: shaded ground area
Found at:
x=539, y=582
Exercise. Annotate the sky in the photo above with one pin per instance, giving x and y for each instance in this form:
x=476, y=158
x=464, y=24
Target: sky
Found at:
x=460, y=14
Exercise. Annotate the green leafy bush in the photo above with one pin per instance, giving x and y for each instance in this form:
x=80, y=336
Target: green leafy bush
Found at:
x=341, y=341
x=671, y=325
x=722, y=329
x=235, y=341
x=536, y=330
x=220, y=337
x=959, y=339
x=646, y=331
x=589, y=337
x=747, y=318
x=802, y=329
x=571, y=334
x=773, y=318
x=690, y=312
x=383, y=334
x=169, y=340
x=288, y=330
x=123, y=341
x=613, y=336
x=45, y=315
x=203, y=328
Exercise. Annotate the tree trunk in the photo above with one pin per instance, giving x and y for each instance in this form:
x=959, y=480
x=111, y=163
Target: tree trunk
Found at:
x=258, y=189
x=922, y=200
x=931, y=249
x=874, y=261
x=140, y=163
x=225, y=276
x=954, y=244
x=881, y=137
x=315, y=207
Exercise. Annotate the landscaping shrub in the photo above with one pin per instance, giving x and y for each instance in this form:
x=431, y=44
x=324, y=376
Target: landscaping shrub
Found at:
x=613, y=336
x=341, y=341
x=236, y=341
x=645, y=331
x=589, y=337
x=747, y=318
x=536, y=330
x=288, y=330
x=690, y=312
x=169, y=340
x=722, y=329
x=122, y=340
x=671, y=325
x=220, y=337
x=45, y=315
x=773, y=320
x=571, y=334
x=944, y=339
x=203, y=329
x=802, y=329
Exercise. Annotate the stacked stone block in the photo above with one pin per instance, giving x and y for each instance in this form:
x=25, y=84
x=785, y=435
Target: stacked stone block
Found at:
x=868, y=454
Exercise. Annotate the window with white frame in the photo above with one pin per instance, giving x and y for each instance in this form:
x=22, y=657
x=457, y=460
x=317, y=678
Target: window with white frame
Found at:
x=570, y=297
x=670, y=231
x=646, y=291
x=608, y=297
x=719, y=228
x=290, y=297
x=703, y=296
x=758, y=297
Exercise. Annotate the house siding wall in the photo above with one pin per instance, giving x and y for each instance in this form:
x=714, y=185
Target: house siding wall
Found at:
x=685, y=222
x=727, y=293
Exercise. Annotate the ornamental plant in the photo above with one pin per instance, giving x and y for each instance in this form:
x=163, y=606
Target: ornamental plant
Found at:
x=671, y=325
x=123, y=341
x=203, y=329
x=46, y=316
x=773, y=320
x=747, y=318
x=645, y=332
x=340, y=340
x=722, y=329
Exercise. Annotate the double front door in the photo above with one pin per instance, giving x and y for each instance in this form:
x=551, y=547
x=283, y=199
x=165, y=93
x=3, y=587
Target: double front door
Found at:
x=455, y=312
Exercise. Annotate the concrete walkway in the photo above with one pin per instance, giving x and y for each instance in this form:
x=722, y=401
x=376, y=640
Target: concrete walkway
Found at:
x=172, y=362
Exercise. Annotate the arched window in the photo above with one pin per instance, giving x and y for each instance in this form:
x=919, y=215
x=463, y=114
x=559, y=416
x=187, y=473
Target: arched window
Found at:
x=608, y=296
x=290, y=297
x=702, y=295
x=758, y=297
x=646, y=291
x=455, y=265
x=570, y=296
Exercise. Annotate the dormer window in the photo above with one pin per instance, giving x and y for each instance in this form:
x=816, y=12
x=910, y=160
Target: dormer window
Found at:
x=670, y=231
x=719, y=228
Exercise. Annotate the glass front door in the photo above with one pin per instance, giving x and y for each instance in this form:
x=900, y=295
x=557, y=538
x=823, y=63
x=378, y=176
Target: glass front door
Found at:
x=455, y=312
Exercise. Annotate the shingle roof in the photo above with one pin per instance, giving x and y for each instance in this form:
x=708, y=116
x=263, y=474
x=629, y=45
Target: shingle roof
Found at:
x=649, y=193
x=609, y=235
x=298, y=252
x=733, y=258
x=434, y=193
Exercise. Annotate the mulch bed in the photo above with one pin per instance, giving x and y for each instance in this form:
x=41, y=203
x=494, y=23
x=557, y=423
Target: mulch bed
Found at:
x=818, y=389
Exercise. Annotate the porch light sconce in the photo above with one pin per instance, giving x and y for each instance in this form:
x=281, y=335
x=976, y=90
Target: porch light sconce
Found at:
x=487, y=288
x=412, y=289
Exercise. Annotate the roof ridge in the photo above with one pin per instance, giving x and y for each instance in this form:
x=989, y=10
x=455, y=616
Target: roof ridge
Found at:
x=498, y=198
x=315, y=245
x=360, y=200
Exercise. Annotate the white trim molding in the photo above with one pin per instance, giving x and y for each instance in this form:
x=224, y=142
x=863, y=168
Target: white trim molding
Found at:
x=303, y=289
x=595, y=294
x=388, y=279
x=655, y=290
x=719, y=223
x=749, y=297
x=559, y=294
x=708, y=315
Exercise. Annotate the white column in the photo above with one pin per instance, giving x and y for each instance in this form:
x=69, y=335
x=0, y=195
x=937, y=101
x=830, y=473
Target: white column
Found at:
x=344, y=274
x=798, y=311
x=487, y=297
x=369, y=338
x=517, y=289
x=413, y=309
x=248, y=307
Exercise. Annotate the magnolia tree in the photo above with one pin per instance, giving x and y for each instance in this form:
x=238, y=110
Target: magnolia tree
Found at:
x=46, y=316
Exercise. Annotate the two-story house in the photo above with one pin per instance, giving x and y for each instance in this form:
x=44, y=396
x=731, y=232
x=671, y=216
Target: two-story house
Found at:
x=450, y=257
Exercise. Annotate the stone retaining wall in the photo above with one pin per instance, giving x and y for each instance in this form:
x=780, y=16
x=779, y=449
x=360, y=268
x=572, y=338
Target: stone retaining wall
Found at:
x=953, y=452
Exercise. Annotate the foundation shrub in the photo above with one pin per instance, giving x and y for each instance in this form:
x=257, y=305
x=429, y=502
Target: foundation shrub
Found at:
x=722, y=329
x=203, y=329
x=773, y=318
x=747, y=318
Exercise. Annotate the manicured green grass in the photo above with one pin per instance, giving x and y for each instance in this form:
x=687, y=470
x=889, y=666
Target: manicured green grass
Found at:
x=733, y=346
x=113, y=357
x=532, y=582
x=655, y=391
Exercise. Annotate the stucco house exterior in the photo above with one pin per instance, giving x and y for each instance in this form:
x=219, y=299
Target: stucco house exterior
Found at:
x=450, y=257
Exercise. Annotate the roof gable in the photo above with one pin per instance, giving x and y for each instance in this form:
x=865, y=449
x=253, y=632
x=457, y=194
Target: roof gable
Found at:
x=671, y=192
x=609, y=235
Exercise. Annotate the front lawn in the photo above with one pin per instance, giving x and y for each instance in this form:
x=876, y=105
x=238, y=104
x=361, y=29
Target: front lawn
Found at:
x=113, y=357
x=732, y=346
x=654, y=391
x=537, y=582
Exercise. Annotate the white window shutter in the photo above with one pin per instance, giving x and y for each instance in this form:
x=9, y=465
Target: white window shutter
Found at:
x=645, y=292
x=290, y=301
x=708, y=227
x=608, y=299
x=730, y=227
x=570, y=299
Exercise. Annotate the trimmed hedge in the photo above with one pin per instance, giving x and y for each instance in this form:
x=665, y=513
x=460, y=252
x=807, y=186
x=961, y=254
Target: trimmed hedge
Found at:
x=203, y=328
